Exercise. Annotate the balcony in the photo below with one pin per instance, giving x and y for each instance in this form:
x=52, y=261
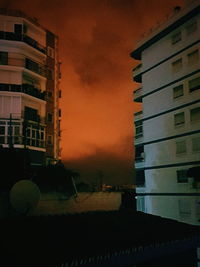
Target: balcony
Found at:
x=24, y=88
x=11, y=36
x=137, y=95
x=18, y=132
x=25, y=63
x=137, y=73
x=138, y=115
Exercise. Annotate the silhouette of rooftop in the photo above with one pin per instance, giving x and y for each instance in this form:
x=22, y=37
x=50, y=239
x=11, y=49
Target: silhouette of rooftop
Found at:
x=92, y=236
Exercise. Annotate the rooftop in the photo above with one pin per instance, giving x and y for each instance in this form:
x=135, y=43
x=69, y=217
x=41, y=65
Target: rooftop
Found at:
x=180, y=16
x=93, y=236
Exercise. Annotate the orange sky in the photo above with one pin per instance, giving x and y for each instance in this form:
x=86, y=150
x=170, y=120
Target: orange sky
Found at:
x=96, y=38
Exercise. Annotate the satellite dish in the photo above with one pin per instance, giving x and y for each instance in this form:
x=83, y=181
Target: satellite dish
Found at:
x=24, y=196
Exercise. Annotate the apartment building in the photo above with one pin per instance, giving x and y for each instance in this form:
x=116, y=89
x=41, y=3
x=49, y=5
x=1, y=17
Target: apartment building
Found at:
x=167, y=129
x=29, y=88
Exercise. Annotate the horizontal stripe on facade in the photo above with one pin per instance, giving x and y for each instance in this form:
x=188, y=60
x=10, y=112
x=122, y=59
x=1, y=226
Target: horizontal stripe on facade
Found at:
x=168, y=194
x=170, y=57
x=169, y=165
x=170, y=110
x=169, y=138
x=171, y=83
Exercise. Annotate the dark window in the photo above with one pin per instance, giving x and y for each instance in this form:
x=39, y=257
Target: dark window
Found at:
x=179, y=118
x=182, y=176
x=138, y=129
x=18, y=28
x=178, y=91
x=3, y=58
x=31, y=114
x=139, y=153
x=140, y=178
x=49, y=117
x=194, y=84
x=31, y=65
x=195, y=114
x=176, y=38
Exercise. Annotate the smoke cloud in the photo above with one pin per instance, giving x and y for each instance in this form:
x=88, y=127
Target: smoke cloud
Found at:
x=96, y=38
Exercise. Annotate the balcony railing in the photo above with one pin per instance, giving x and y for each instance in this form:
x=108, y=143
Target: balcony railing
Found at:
x=26, y=63
x=22, y=38
x=24, y=88
x=17, y=132
x=137, y=73
x=138, y=115
x=137, y=95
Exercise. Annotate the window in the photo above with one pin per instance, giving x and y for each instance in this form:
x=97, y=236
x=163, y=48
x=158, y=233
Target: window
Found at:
x=3, y=58
x=140, y=207
x=176, y=38
x=179, y=119
x=194, y=84
x=139, y=153
x=49, y=117
x=49, y=139
x=182, y=176
x=196, y=144
x=18, y=28
x=59, y=112
x=50, y=52
x=177, y=65
x=49, y=94
x=138, y=129
x=180, y=147
x=178, y=91
x=32, y=65
x=192, y=27
x=140, y=178
x=31, y=114
x=193, y=57
x=195, y=114
x=2, y=134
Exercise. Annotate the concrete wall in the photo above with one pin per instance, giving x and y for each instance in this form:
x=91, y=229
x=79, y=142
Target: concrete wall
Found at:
x=55, y=204
x=50, y=204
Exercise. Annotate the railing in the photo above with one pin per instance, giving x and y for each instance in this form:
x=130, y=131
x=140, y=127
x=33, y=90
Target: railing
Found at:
x=137, y=95
x=137, y=69
x=139, y=113
x=27, y=63
x=24, y=88
x=22, y=38
x=11, y=126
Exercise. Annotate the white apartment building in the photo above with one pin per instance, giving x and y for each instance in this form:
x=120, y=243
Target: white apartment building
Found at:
x=167, y=129
x=29, y=87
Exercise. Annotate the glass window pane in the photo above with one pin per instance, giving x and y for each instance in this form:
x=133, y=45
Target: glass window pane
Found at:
x=195, y=114
x=178, y=91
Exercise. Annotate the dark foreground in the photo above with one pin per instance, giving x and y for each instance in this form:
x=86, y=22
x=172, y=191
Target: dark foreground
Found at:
x=77, y=239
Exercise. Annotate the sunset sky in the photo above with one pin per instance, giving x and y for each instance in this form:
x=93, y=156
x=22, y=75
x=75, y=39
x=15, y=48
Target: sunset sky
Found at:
x=96, y=38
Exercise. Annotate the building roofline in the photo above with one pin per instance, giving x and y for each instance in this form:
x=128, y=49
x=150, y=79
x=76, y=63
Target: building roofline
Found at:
x=19, y=13
x=136, y=54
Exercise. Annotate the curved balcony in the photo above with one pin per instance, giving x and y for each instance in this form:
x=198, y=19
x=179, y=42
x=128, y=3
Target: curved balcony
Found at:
x=11, y=36
x=137, y=73
x=24, y=88
x=137, y=95
x=25, y=63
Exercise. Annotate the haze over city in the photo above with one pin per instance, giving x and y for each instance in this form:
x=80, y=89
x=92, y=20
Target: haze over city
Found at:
x=96, y=38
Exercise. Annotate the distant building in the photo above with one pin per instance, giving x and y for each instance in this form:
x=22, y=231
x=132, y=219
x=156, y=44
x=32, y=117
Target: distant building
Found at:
x=29, y=87
x=167, y=129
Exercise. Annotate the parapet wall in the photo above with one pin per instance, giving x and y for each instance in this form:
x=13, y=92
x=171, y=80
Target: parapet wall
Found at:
x=85, y=201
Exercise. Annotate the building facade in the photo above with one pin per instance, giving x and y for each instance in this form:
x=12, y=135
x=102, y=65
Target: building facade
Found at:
x=167, y=129
x=29, y=88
